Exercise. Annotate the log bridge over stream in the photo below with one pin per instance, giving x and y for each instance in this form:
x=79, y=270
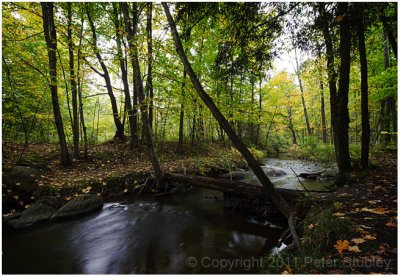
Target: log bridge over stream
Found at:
x=237, y=194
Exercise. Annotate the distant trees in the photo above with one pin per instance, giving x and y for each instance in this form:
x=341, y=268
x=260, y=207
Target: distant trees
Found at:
x=122, y=72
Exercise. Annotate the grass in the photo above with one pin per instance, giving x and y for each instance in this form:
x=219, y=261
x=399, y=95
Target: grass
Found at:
x=321, y=229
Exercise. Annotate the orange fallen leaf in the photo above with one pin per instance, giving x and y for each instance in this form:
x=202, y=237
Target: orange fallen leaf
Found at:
x=341, y=245
x=338, y=214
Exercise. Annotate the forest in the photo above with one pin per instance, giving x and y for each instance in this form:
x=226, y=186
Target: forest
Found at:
x=103, y=100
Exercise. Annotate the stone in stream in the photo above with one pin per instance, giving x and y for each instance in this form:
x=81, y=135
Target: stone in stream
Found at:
x=34, y=214
x=22, y=179
x=275, y=172
x=49, y=201
x=79, y=205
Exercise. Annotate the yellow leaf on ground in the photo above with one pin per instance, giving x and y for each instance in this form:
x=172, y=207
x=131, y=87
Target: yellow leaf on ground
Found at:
x=376, y=210
x=354, y=249
x=341, y=245
x=358, y=240
x=369, y=237
x=338, y=214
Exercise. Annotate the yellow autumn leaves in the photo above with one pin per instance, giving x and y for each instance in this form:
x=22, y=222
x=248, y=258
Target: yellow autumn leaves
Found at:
x=344, y=245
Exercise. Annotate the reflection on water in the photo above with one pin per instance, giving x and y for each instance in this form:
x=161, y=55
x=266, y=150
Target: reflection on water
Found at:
x=289, y=179
x=142, y=236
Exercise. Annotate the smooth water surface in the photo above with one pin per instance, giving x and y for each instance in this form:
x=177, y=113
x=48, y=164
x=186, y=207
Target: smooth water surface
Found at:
x=143, y=236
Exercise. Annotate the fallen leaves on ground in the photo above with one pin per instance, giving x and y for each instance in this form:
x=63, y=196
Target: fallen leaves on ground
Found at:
x=341, y=245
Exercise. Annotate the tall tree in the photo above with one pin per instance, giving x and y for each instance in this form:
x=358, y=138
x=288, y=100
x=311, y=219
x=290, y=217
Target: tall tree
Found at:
x=359, y=8
x=131, y=25
x=133, y=138
x=117, y=121
x=72, y=79
x=342, y=127
x=253, y=164
x=50, y=35
x=149, y=80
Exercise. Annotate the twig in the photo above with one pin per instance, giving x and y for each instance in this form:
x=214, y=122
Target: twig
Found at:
x=304, y=187
x=172, y=191
x=144, y=185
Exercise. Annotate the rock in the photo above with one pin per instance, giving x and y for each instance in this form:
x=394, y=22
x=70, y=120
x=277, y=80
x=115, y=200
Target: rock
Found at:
x=275, y=172
x=22, y=179
x=328, y=174
x=236, y=175
x=79, y=205
x=49, y=201
x=9, y=203
x=35, y=213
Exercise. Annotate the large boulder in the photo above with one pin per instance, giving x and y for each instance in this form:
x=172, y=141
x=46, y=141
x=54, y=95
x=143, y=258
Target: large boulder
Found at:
x=49, y=201
x=79, y=205
x=22, y=179
x=33, y=214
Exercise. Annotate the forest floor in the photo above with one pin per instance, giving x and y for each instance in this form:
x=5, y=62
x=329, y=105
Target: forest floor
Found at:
x=112, y=169
x=363, y=214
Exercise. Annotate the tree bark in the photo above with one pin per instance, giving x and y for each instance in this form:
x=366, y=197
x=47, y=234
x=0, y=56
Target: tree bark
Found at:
x=133, y=139
x=253, y=164
x=365, y=136
x=51, y=42
x=117, y=121
x=149, y=80
x=131, y=26
x=309, y=132
x=80, y=77
x=321, y=86
x=72, y=78
x=343, y=120
x=182, y=115
x=387, y=29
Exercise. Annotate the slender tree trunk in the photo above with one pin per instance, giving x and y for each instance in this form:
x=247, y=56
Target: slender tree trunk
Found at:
x=387, y=29
x=290, y=125
x=149, y=80
x=253, y=164
x=51, y=41
x=117, y=121
x=131, y=26
x=343, y=120
x=321, y=86
x=365, y=137
x=259, y=110
x=72, y=78
x=80, y=77
x=298, y=69
x=182, y=115
x=133, y=139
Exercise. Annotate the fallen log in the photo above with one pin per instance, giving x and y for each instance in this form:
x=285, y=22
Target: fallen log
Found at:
x=236, y=188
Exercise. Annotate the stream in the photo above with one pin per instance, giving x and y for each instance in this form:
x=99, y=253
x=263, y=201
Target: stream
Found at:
x=187, y=232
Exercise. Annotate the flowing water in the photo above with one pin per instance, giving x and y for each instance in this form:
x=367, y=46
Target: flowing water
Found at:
x=187, y=232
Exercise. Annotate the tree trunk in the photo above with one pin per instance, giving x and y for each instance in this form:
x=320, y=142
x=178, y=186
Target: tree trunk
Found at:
x=80, y=77
x=133, y=139
x=51, y=42
x=149, y=81
x=120, y=128
x=253, y=164
x=298, y=69
x=321, y=86
x=72, y=78
x=131, y=26
x=387, y=29
x=290, y=125
x=182, y=115
x=343, y=120
x=365, y=137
